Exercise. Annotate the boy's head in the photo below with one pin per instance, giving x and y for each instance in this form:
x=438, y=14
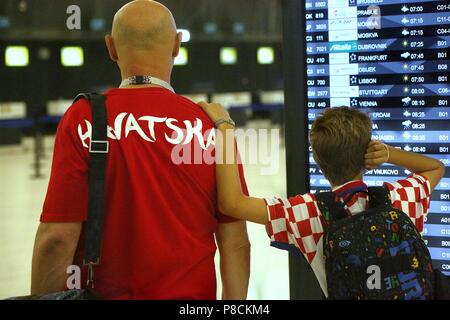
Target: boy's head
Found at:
x=339, y=139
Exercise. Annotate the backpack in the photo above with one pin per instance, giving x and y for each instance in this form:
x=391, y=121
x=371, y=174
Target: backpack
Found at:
x=376, y=254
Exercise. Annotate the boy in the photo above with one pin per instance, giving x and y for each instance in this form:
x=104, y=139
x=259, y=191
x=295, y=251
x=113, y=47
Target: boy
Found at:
x=342, y=147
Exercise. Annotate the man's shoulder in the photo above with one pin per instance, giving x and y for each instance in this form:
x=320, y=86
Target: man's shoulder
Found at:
x=193, y=107
x=188, y=102
x=79, y=109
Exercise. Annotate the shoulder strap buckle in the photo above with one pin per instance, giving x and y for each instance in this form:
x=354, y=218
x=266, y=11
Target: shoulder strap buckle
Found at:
x=379, y=197
x=330, y=206
x=99, y=146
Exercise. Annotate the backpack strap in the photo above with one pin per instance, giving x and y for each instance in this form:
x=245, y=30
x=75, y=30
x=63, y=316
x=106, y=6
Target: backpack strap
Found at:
x=98, y=150
x=379, y=197
x=330, y=207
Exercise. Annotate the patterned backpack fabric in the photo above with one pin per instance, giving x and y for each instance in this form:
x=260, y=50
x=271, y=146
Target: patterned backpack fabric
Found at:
x=376, y=254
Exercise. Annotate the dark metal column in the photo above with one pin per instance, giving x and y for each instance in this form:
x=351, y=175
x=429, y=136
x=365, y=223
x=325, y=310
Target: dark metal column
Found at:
x=303, y=284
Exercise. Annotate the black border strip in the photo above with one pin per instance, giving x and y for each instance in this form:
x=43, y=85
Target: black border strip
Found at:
x=303, y=283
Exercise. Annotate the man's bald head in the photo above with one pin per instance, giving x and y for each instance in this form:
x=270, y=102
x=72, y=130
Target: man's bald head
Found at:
x=144, y=39
x=144, y=25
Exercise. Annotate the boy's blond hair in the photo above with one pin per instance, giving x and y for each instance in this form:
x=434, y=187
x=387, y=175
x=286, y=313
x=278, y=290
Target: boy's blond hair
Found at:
x=339, y=139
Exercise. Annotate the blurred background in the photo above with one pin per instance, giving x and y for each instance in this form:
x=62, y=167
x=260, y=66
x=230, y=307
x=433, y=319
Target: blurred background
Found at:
x=232, y=55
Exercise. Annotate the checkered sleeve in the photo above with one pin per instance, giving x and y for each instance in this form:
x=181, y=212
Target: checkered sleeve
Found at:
x=412, y=196
x=295, y=224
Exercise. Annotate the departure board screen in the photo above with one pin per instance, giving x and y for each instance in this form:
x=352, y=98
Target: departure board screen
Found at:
x=391, y=59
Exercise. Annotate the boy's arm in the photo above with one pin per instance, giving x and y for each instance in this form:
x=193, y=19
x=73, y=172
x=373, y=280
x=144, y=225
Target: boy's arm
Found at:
x=231, y=200
x=379, y=153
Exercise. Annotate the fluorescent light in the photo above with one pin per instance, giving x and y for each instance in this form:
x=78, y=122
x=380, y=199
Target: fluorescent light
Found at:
x=44, y=53
x=266, y=55
x=228, y=55
x=210, y=28
x=186, y=35
x=98, y=24
x=4, y=22
x=17, y=56
x=183, y=57
x=72, y=56
x=238, y=28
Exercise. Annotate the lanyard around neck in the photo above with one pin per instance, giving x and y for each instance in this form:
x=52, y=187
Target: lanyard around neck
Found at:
x=143, y=80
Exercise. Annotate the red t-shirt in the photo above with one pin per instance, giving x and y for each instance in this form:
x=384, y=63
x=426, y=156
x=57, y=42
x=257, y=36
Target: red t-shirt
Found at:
x=160, y=214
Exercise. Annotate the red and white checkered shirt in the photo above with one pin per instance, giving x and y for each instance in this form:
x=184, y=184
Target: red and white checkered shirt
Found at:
x=295, y=223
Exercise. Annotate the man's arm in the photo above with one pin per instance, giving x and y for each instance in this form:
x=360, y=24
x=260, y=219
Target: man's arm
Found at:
x=54, y=250
x=234, y=249
x=379, y=153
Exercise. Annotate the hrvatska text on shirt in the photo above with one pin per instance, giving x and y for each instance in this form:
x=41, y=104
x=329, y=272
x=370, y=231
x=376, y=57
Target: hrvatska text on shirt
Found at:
x=126, y=124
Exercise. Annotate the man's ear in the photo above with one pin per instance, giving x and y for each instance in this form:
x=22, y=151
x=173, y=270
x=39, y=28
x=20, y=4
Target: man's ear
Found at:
x=111, y=48
x=176, y=49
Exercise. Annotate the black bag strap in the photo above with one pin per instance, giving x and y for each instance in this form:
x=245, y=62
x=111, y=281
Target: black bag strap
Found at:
x=391, y=265
x=379, y=197
x=330, y=207
x=333, y=210
x=98, y=150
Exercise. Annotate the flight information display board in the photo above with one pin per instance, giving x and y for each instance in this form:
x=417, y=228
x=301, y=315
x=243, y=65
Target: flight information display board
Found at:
x=390, y=58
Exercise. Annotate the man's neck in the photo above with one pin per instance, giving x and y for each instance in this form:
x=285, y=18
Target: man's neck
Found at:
x=158, y=75
x=140, y=86
x=149, y=85
x=162, y=73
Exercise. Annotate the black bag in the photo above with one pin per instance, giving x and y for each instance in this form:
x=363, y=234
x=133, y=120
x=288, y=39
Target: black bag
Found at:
x=98, y=150
x=376, y=254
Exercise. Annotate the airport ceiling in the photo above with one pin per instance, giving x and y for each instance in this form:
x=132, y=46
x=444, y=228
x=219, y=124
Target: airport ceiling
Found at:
x=207, y=20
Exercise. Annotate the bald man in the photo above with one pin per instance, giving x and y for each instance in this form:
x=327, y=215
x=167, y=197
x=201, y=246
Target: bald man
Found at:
x=161, y=221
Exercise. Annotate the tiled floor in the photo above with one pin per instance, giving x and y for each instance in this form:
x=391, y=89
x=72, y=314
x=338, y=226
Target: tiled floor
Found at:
x=21, y=198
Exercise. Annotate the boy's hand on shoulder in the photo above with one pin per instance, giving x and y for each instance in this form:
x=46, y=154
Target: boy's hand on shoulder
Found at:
x=215, y=111
x=377, y=154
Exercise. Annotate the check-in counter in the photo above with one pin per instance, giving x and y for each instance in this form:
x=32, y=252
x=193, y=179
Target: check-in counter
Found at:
x=13, y=119
x=197, y=97
x=238, y=105
x=273, y=101
x=55, y=110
